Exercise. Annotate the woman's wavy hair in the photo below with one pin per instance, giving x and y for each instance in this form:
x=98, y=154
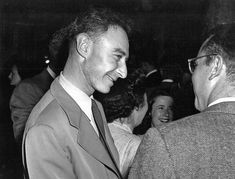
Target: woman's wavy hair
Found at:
x=124, y=96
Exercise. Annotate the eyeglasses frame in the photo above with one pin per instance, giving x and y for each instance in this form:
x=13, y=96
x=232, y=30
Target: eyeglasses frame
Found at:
x=190, y=60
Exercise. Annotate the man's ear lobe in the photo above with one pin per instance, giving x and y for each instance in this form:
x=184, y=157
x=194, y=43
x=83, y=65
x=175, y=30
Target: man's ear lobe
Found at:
x=82, y=44
x=217, y=66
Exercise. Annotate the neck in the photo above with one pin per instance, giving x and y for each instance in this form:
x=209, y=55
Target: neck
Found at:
x=222, y=91
x=125, y=120
x=73, y=72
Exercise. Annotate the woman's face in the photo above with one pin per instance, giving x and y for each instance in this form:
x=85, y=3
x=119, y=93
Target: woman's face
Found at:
x=162, y=111
x=14, y=76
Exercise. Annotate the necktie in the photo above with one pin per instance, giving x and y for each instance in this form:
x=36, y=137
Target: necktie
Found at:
x=100, y=125
x=98, y=119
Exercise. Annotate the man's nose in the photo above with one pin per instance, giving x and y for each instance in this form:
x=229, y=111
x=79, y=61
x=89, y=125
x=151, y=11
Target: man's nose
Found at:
x=122, y=70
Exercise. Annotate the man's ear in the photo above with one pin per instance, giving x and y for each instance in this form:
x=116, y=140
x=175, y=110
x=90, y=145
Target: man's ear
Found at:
x=83, y=42
x=217, y=66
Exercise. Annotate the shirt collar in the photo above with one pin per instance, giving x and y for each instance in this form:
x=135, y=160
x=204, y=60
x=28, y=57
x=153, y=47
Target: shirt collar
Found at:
x=122, y=126
x=81, y=98
x=220, y=100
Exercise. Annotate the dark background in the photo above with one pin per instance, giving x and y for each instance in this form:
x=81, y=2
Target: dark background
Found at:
x=165, y=30
x=162, y=26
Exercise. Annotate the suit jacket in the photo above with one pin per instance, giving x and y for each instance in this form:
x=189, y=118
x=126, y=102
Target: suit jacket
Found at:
x=198, y=146
x=24, y=97
x=59, y=141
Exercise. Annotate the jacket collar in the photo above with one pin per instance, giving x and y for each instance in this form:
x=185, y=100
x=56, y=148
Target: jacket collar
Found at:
x=225, y=107
x=87, y=137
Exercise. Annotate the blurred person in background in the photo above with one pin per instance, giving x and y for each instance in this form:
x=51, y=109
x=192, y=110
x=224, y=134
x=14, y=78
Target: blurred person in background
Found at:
x=19, y=69
x=26, y=95
x=125, y=107
x=14, y=76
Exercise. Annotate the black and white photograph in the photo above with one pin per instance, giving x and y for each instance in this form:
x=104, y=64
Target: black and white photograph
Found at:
x=117, y=89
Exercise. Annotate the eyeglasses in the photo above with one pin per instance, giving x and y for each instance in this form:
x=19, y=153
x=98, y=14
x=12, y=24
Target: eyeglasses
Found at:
x=192, y=62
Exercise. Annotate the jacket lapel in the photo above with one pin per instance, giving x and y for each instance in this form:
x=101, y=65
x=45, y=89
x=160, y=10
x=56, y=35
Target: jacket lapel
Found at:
x=108, y=136
x=87, y=137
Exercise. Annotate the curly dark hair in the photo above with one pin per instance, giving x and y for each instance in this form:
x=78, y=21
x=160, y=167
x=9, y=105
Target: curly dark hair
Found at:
x=124, y=96
x=94, y=22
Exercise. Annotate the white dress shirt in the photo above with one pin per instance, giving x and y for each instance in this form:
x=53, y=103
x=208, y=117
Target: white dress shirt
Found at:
x=81, y=98
x=126, y=143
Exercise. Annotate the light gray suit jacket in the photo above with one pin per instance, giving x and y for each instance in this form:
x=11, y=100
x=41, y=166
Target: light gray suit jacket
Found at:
x=198, y=146
x=59, y=141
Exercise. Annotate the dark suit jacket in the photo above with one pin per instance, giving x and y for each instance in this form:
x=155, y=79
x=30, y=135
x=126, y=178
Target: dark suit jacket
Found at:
x=60, y=142
x=198, y=146
x=24, y=97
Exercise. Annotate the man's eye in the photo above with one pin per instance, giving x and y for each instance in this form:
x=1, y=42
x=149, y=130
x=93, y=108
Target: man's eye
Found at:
x=118, y=57
x=194, y=63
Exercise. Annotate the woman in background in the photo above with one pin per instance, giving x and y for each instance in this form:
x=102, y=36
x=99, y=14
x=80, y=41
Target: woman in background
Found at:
x=161, y=108
x=125, y=107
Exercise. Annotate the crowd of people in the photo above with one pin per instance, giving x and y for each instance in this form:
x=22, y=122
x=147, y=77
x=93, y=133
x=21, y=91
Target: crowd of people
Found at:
x=86, y=115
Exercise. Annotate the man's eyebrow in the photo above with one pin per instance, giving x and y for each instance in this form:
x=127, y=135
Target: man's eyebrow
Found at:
x=120, y=51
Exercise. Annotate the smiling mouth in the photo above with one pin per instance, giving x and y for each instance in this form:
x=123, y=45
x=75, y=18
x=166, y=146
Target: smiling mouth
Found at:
x=112, y=79
x=165, y=120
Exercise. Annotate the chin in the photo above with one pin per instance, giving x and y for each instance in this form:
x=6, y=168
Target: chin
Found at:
x=104, y=90
x=199, y=106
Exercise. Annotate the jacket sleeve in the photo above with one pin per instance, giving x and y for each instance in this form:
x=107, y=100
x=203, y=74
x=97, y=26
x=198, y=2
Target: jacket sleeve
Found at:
x=23, y=99
x=152, y=159
x=45, y=156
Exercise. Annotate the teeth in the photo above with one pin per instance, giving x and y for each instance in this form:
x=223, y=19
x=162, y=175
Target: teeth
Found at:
x=164, y=120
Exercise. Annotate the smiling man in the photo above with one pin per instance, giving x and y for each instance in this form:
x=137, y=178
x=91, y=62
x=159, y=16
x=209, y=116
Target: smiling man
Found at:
x=201, y=145
x=66, y=135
